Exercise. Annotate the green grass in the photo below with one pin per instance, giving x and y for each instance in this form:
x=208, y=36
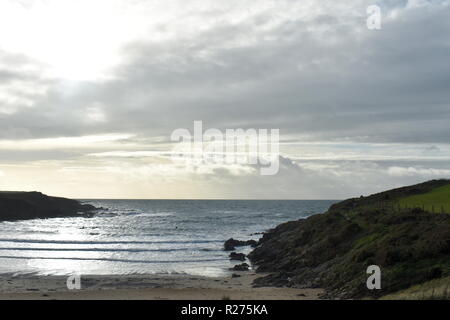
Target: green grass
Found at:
x=438, y=289
x=437, y=200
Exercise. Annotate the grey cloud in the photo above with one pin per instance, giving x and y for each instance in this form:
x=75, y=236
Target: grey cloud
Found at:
x=17, y=156
x=325, y=78
x=336, y=83
x=328, y=179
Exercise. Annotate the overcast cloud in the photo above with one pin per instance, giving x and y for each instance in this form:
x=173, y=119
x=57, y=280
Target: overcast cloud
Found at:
x=358, y=110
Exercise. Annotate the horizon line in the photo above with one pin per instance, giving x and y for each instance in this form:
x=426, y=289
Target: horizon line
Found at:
x=207, y=199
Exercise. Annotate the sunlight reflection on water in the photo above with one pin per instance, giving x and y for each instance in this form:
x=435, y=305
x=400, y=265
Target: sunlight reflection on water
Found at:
x=143, y=236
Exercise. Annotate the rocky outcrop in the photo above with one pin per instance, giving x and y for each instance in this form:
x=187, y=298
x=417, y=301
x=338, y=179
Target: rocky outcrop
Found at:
x=240, y=267
x=237, y=256
x=333, y=250
x=35, y=205
x=231, y=244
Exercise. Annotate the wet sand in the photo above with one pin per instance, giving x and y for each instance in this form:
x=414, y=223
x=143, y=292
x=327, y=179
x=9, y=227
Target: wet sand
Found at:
x=147, y=287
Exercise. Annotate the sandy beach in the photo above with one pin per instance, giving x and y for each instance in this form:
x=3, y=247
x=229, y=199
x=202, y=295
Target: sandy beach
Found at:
x=147, y=287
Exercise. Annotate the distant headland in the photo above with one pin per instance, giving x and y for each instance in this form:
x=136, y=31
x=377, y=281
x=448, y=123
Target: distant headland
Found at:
x=18, y=205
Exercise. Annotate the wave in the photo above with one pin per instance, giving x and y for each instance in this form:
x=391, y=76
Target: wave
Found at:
x=108, y=242
x=107, y=250
x=112, y=259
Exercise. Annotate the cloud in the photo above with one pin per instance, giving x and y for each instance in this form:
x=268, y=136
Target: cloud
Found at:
x=362, y=109
x=20, y=83
x=426, y=173
x=311, y=69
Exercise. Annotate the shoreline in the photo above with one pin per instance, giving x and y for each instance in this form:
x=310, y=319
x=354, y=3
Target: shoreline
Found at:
x=147, y=287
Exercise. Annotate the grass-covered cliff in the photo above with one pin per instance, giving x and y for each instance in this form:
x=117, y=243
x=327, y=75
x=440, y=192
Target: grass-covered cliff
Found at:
x=392, y=229
x=35, y=205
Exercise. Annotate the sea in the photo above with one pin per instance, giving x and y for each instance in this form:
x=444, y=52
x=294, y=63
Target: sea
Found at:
x=144, y=236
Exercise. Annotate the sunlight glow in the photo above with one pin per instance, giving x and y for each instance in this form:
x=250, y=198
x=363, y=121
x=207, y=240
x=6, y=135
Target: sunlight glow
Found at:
x=75, y=40
x=64, y=142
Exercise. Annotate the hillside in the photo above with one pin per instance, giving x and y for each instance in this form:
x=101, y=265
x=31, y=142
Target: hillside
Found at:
x=437, y=200
x=334, y=249
x=35, y=205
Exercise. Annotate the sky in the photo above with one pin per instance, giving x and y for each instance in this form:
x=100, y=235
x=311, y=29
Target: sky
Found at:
x=91, y=91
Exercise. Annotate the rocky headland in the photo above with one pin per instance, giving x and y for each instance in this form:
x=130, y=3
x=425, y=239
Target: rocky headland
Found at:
x=333, y=250
x=35, y=205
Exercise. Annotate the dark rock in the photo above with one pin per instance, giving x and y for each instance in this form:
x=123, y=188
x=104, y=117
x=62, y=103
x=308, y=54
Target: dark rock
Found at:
x=274, y=279
x=240, y=267
x=235, y=275
x=35, y=205
x=237, y=256
x=252, y=243
x=231, y=244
